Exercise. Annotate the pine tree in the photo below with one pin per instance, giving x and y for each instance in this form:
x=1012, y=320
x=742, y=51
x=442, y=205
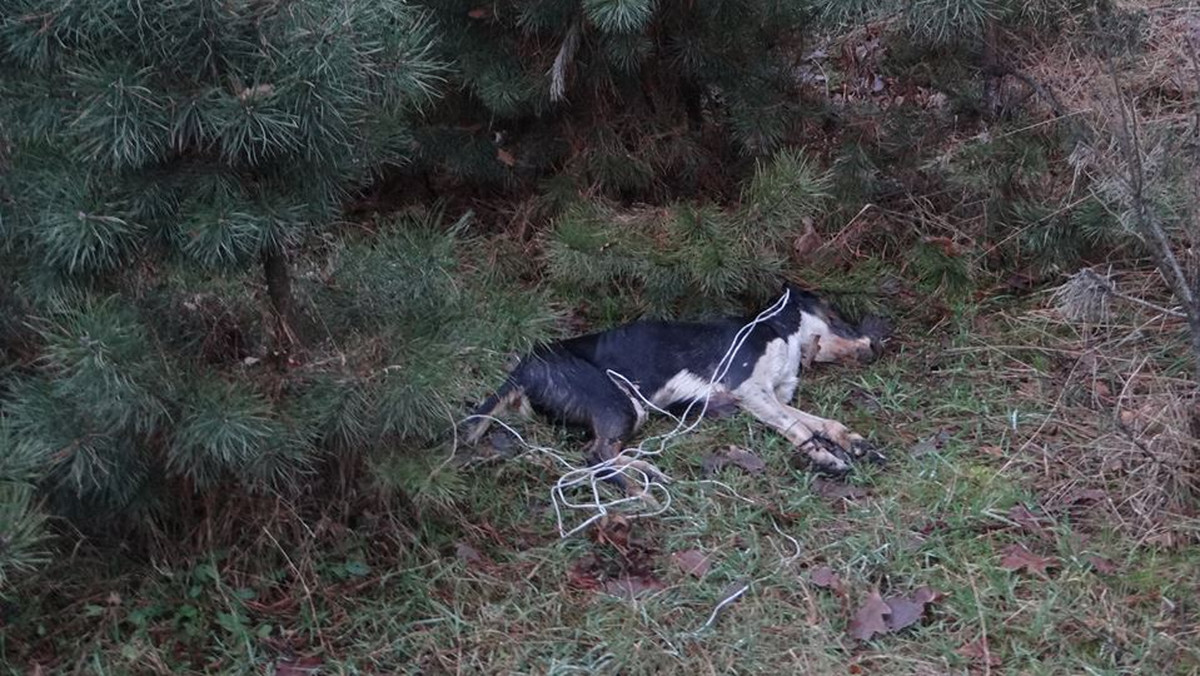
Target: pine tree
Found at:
x=160, y=163
x=675, y=259
x=631, y=98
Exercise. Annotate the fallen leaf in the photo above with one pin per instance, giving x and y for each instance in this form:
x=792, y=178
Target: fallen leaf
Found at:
x=733, y=455
x=977, y=651
x=692, y=562
x=1017, y=557
x=907, y=611
x=479, y=13
x=826, y=578
x=630, y=587
x=1102, y=565
x=506, y=158
x=837, y=490
x=871, y=618
x=808, y=242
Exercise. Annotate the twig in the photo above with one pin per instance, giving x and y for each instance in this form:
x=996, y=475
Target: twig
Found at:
x=1128, y=140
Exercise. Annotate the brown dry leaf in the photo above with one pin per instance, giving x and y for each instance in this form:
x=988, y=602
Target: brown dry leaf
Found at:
x=808, y=242
x=733, y=455
x=907, y=611
x=480, y=13
x=837, y=490
x=506, y=158
x=692, y=562
x=630, y=587
x=1017, y=558
x=1102, y=565
x=826, y=578
x=870, y=619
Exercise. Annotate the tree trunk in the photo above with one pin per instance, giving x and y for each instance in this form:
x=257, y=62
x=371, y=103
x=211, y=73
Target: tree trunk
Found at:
x=692, y=97
x=279, y=290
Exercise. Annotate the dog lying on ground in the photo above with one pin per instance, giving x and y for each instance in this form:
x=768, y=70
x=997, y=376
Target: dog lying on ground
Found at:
x=673, y=364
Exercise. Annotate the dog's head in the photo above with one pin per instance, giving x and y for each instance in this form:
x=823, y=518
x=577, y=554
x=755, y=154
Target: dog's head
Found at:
x=836, y=339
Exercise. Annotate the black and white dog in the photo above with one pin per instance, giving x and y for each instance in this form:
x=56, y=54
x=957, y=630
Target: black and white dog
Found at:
x=672, y=364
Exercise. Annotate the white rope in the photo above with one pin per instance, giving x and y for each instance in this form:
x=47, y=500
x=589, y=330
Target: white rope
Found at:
x=630, y=463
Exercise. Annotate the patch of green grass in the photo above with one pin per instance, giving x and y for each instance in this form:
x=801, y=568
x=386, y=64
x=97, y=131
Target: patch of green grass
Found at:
x=398, y=593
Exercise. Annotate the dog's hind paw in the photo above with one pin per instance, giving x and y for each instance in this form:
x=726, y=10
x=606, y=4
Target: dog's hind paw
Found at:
x=826, y=457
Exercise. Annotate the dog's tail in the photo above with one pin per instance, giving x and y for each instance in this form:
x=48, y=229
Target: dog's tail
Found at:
x=509, y=396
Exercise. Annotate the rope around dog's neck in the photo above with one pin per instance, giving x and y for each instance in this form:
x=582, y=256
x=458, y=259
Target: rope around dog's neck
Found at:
x=630, y=463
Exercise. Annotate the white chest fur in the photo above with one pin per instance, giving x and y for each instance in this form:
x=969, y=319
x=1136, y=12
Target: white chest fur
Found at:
x=775, y=370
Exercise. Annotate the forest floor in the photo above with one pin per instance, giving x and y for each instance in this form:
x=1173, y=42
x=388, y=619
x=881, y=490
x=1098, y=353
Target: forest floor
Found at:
x=1033, y=517
x=1038, y=514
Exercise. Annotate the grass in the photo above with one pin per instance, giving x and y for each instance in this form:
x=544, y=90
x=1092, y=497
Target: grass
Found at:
x=487, y=586
x=1004, y=424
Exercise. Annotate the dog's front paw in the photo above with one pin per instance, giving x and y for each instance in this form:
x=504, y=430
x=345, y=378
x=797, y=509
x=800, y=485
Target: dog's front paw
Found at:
x=826, y=457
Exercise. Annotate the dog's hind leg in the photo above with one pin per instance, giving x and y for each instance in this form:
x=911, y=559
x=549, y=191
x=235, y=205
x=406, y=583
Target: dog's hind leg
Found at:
x=507, y=397
x=573, y=390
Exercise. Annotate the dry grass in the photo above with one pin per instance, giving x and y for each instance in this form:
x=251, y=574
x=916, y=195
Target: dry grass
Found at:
x=1160, y=75
x=1121, y=421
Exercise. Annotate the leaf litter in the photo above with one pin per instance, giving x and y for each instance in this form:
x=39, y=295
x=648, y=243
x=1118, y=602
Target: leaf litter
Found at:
x=1017, y=558
x=878, y=616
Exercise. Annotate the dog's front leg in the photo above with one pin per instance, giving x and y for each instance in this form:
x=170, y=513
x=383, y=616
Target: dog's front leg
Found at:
x=841, y=435
x=762, y=404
